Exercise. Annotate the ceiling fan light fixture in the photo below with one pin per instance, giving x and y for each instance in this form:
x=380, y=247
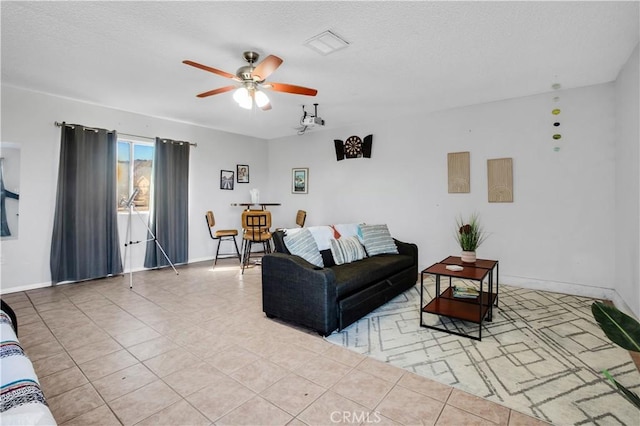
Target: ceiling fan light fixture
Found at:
x=261, y=98
x=241, y=96
x=252, y=78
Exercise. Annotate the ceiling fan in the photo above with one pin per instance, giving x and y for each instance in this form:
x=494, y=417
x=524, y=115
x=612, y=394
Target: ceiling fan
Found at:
x=252, y=79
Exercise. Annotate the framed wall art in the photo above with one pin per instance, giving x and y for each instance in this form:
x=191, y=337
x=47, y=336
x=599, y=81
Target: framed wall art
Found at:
x=226, y=179
x=242, y=173
x=300, y=181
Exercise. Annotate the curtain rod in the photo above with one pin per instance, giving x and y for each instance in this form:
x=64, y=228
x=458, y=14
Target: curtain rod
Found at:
x=58, y=124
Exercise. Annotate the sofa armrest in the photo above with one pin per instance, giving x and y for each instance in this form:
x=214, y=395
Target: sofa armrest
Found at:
x=12, y=315
x=408, y=249
x=23, y=401
x=295, y=290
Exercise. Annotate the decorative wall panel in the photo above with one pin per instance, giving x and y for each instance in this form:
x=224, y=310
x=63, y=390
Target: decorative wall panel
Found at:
x=500, y=180
x=459, y=174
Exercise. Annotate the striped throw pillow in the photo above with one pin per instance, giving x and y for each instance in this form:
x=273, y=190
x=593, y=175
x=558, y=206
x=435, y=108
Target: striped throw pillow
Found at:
x=347, y=250
x=377, y=240
x=302, y=244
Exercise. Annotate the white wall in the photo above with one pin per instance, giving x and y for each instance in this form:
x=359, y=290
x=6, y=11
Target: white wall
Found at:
x=627, y=201
x=28, y=119
x=558, y=234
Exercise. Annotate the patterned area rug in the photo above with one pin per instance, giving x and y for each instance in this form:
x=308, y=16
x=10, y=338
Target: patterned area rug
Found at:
x=542, y=354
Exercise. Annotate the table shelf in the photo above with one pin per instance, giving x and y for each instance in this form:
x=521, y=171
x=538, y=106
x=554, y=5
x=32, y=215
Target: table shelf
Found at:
x=466, y=309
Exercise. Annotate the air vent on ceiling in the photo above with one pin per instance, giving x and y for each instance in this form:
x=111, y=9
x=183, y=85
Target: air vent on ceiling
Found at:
x=326, y=43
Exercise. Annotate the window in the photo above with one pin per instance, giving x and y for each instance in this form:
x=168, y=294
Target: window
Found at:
x=134, y=174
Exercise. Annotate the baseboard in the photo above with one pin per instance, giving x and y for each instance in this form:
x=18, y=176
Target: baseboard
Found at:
x=49, y=284
x=25, y=288
x=35, y=286
x=569, y=288
x=559, y=287
x=622, y=305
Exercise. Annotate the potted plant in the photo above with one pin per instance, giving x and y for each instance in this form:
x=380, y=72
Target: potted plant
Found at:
x=469, y=235
x=622, y=330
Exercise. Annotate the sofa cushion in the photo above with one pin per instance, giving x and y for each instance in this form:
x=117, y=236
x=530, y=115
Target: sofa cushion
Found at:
x=378, y=240
x=347, y=250
x=351, y=277
x=302, y=244
x=281, y=247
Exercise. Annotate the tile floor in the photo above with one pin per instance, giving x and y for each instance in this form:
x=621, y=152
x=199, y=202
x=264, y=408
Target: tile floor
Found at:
x=196, y=349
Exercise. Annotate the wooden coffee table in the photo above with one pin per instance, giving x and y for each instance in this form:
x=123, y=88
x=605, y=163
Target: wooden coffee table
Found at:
x=474, y=310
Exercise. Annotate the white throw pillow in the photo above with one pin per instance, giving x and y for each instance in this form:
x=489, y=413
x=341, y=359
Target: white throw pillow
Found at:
x=348, y=230
x=322, y=234
x=347, y=250
x=301, y=243
x=378, y=240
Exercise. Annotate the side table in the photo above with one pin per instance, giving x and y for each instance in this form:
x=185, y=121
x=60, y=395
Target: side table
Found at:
x=474, y=310
x=491, y=265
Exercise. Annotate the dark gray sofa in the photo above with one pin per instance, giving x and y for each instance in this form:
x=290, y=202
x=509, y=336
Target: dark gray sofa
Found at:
x=330, y=298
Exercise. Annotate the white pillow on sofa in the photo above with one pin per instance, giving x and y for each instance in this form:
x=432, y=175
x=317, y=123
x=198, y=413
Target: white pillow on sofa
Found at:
x=378, y=240
x=347, y=250
x=301, y=243
x=349, y=230
x=322, y=234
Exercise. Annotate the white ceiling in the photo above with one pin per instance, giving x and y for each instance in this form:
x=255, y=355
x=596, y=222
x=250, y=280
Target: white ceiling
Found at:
x=404, y=57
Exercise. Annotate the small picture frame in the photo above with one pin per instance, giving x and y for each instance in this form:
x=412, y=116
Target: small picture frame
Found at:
x=226, y=179
x=242, y=173
x=300, y=181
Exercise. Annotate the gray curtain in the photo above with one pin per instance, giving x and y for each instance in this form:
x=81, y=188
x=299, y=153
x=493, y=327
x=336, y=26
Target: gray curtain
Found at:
x=169, y=215
x=85, y=244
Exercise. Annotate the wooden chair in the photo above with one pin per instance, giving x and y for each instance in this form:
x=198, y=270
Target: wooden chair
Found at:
x=221, y=235
x=301, y=217
x=256, y=225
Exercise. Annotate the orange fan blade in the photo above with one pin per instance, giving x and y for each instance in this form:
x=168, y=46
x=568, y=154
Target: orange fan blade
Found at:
x=216, y=91
x=290, y=88
x=266, y=67
x=210, y=69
